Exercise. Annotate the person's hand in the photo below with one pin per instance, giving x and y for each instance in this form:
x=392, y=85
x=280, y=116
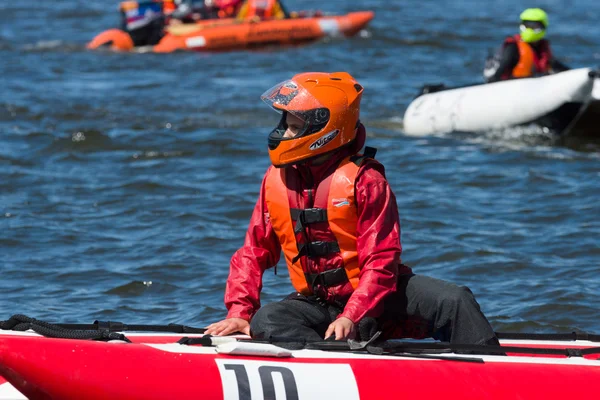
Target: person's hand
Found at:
x=342, y=328
x=228, y=326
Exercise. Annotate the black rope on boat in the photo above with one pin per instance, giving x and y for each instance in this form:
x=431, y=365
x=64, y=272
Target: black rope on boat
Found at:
x=447, y=358
x=99, y=330
x=23, y=323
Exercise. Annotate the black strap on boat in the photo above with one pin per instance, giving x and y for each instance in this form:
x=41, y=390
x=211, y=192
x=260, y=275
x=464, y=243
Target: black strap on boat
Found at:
x=99, y=330
x=393, y=347
x=400, y=348
x=332, y=277
x=549, y=336
x=205, y=340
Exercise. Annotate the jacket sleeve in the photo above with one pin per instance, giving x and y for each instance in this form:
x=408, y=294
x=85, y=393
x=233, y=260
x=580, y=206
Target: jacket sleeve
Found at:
x=379, y=248
x=508, y=61
x=261, y=250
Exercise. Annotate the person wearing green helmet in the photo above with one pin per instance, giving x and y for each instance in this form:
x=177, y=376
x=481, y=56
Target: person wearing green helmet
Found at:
x=525, y=54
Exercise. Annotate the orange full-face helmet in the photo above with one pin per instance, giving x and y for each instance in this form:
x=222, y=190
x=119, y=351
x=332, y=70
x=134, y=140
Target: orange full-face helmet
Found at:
x=329, y=105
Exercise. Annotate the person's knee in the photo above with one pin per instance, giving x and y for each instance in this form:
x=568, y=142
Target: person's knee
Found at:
x=265, y=319
x=458, y=296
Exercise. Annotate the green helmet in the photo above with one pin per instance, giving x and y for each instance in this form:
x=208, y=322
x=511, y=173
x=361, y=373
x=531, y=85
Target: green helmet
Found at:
x=534, y=22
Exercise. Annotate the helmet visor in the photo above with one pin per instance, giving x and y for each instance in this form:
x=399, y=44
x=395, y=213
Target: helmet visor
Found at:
x=308, y=114
x=536, y=26
x=532, y=31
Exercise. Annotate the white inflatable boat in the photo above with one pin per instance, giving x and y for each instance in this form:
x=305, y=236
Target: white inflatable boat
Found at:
x=568, y=103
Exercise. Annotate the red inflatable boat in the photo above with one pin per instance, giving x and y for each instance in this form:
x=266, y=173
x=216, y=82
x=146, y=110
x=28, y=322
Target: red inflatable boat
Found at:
x=156, y=367
x=231, y=34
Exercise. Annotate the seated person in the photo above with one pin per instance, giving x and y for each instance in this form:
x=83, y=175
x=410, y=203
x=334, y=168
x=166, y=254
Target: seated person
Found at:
x=228, y=8
x=143, y=21
x=526, y=54
x=190, y=11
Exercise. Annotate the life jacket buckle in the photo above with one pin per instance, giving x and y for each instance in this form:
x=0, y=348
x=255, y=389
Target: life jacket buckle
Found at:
x=318, y=248
x=327, y=279
x=315, y=281
x=313, y=215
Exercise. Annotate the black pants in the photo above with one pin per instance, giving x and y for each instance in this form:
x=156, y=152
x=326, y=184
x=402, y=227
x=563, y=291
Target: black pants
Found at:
x=421, y=307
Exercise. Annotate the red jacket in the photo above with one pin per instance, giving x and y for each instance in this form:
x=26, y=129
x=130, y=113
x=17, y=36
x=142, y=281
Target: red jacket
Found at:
x=379, y=246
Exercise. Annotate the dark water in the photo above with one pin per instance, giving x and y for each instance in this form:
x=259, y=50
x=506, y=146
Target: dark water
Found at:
x=127, y=180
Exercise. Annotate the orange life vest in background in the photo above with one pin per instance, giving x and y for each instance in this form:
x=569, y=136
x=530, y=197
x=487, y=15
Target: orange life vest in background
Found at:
x=260, y=8
x=169, y=6
x=125, y=6
x=334, y=204
x=526, y=65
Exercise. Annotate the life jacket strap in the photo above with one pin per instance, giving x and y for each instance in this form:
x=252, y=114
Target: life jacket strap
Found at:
x=307, y=216
x=316, y=249
x=368, y=153
x=332, y=277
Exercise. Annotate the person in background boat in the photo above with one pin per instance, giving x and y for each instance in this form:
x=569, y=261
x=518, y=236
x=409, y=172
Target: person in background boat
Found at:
x=190, y=11
x=143, y=21
x=228, y=8
x=257, y=10
x=526, y=54
x=332, y=212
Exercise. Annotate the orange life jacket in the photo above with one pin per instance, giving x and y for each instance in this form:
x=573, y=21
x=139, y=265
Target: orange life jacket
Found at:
x=169, y=6
x=526, y=65
x=260, y=8
x=334, y=203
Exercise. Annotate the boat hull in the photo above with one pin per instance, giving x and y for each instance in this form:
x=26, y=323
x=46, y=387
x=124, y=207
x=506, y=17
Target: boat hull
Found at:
x=503, y=104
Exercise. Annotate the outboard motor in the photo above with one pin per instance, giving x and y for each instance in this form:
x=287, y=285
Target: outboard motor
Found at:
x=144, y=21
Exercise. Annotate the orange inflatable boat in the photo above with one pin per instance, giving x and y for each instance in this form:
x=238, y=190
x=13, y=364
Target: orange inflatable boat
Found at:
x=232, y=34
